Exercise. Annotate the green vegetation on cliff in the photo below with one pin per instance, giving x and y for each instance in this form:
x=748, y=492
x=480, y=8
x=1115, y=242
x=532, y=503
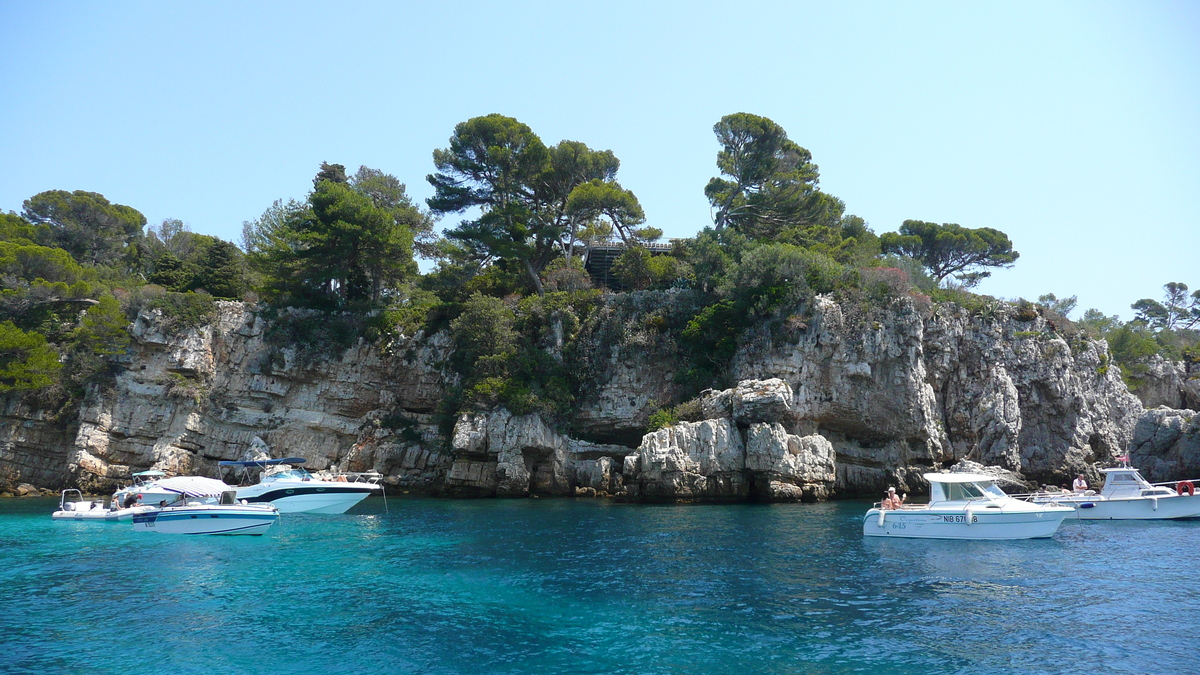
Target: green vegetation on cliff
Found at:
x=508, y=282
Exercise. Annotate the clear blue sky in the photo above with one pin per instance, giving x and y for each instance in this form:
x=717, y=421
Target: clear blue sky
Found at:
x=1071, y=126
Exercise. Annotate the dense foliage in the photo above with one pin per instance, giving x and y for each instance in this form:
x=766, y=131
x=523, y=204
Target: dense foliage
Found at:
x=528, y=320
x=1166, y=329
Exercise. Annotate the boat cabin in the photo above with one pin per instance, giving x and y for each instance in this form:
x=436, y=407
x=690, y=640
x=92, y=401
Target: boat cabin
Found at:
x=1124, y=482
x=143, y=477
x=962, y=487
x=270, y=469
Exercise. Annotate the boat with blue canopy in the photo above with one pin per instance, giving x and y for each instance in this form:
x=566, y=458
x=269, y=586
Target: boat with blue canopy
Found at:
x=292, y=489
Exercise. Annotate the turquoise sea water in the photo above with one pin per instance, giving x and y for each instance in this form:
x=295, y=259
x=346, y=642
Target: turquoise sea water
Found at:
x=565, y=586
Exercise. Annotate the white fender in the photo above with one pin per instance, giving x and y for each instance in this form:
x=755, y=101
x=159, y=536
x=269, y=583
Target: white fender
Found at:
x=1154, y=503
x=882, y=513
x=970, y=513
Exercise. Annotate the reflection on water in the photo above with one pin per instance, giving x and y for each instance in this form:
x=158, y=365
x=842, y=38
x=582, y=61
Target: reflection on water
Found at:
x=523, y=586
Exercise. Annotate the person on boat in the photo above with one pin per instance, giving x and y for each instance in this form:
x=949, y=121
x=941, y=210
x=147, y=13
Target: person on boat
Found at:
x=1080, y=484
x=891, y=501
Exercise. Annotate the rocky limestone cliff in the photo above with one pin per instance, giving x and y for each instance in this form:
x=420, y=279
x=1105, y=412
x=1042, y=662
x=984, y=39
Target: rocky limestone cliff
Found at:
x=1166, y=444
x=1174, y=384
x=835, y=401
x=188, y=399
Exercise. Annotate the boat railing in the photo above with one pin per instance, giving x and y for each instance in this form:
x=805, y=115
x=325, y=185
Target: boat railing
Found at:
x=903, y=507
x=372, y=477
x=1047, y=494
x=1174, y=483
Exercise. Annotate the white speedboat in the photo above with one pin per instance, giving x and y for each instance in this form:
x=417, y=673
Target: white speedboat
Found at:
x=294, y=490
x=150, y=488
x=966, y=506
x=192, y=517
x=1127, y=496
x=72, y=506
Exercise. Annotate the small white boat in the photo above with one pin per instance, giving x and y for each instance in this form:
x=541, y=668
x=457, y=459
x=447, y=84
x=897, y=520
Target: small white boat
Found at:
x=1126, y=495
x=225, y=517
x=150, y=488
x=72, y=506
x=294, y=490
x=966, y=506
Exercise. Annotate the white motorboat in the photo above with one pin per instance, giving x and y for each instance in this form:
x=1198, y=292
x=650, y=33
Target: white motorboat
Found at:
x=72, y=506
x=966, y=506
x=150, y=488
x=1126, y=495
x=294, y=490
x=192, y=517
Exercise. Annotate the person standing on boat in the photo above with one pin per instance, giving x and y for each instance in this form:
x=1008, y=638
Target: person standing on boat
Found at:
x=1080, y=484
x=891, y=501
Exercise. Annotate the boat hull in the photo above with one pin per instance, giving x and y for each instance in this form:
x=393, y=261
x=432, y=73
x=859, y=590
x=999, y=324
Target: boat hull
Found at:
x=208, y=519
x=957, y=524
x=101, y=514
x=329, y=499
x=1140, y=508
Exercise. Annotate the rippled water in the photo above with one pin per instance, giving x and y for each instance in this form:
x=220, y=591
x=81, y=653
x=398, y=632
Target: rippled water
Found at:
x=563, y=586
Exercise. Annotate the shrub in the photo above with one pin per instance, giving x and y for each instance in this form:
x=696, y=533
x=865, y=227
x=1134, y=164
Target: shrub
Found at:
x=484, y=328
x=773, y=276
x=882, y=284
x=566, y=275
x=26, y=361
x=1026, y=311
x=314, y=335
x=179, y=310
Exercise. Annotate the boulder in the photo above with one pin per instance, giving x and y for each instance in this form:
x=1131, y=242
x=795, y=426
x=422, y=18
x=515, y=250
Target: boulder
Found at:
x=1166, y=445
x=789, y=467
x=689, y=461
x=756, y=401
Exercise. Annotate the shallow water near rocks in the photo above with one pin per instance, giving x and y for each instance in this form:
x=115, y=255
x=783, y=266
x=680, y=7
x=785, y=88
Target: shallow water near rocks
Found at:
x=560, y=586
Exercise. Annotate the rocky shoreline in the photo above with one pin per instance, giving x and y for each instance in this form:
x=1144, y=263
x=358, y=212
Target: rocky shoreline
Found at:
x=837, y=403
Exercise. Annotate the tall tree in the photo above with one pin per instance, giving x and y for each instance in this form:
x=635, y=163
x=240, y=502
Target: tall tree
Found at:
x=351, y=243
x=770, y=182
x=1178, y=309
x=494, y=163
x=607, y=200
x=952, y=249
x=523, y=191
x=580, y=195
x=223, y=272
x=387, y=192
x=352, y=250
x=90, y=228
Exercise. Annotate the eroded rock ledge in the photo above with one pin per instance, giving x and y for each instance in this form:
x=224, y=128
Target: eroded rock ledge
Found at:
x=838, y=402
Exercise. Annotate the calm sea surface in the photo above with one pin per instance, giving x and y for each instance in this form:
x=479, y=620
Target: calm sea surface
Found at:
x=564, y=586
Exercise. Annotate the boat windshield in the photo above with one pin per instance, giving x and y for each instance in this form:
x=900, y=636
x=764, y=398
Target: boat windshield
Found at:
x=959, y=492
x=289, y=474
x=992, y=490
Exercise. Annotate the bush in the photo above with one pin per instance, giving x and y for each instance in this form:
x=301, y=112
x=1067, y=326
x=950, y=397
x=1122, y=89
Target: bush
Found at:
x=315, y=336
x=407, y=316
x=26, y=361
x=484, y=328
x=566, y=275
x=883, y=284
x=775, y=276
x=179, y=310
x=1131, y=346
x=639, y=270
x=710, y=341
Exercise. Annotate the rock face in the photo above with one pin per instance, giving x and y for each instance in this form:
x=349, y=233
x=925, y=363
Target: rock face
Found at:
x=190, y=398
x=837, y=400
x=1174, y=384
x=1166, y=444
x=906, y=389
